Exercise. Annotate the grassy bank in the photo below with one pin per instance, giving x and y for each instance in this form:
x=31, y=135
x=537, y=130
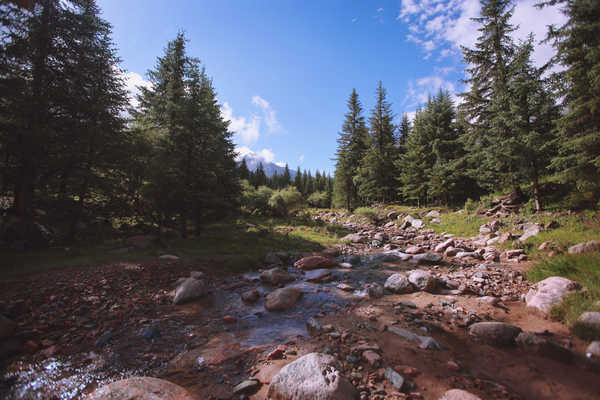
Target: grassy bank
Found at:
x=234, y=245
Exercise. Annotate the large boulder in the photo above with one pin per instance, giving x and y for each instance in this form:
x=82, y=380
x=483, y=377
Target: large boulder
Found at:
x=495, y=333
x=282, y=299
x=189, y=289
x=276, y=276
x=459, y=394
x=314, y=376
x=549, y=293
x=314, y=262
x=398, y=283
x=141, y=388
x=586, y=247
x=422, y=280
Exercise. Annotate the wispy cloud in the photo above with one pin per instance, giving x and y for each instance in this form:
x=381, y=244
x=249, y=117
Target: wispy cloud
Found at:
x=354, y=20
x=420, y=89
x=269, y=115
x=301, y=158
x=448, y=25
x=380, y=9
x=246, y=130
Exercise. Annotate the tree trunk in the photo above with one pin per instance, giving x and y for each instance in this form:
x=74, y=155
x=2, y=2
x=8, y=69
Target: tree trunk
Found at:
x=536, y=187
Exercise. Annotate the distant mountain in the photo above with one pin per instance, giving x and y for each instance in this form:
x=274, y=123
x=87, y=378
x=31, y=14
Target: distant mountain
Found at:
x=270, y=168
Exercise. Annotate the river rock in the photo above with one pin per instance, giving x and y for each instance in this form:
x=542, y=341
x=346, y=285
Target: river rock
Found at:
x=440, y=248
x=459, y=394
x=433, y=214
x=353, y=237
x=496, y=333
x=318, y=275
x=7, y=327
x=426, y=258
x=314, y=262
x=414, y=250
x=275, y=276
x=282, y=299
x=548, y=293
x=422, y=280
x=250, y=296
x=593, y=350
x=375, y=290
x=586, y=247
x=141, y=388
x=590, y=321
x=533, y=343
x=394, y=378
x=398, y=283
x=188, y=290
x=314, y=376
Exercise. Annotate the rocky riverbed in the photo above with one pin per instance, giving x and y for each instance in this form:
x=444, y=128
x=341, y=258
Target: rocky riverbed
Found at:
x=394, y=312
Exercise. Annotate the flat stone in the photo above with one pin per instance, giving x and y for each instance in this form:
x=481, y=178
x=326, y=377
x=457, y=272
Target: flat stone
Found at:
x=427, y=258
x=141, y=388
x=318, y=275
x=394, y=378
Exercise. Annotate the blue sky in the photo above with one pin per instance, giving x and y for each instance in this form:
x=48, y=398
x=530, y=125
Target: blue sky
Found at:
x=284, y=69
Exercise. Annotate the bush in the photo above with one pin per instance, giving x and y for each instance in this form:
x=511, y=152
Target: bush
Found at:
x=318, y=200
x=255, y=200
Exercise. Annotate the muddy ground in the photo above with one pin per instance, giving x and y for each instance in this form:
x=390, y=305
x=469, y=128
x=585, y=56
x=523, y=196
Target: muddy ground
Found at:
x=81, y=328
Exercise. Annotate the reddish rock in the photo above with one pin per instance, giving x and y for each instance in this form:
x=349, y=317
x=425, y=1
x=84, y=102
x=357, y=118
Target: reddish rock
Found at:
x=372, y=358
x=277, y=353
x=414, y=250
x=282, y=299
x=229, y=319
x=453, y=366
x=407, y=370
x=314, y=262
x=250, y=296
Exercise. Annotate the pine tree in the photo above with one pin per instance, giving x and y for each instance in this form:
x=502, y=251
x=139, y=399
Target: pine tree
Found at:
x=352, y=145
x=377, y=168
x=286, y=179
x=414, y=163
x=578, y=49
x=532, y=110
x=260, y=178
x=298, y=180
x=486, y=105
x=243, y=170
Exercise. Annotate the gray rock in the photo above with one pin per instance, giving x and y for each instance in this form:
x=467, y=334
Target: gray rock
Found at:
x=586, y=247
x=282, y=299
x=275, y=276
x=429, y=343
x=427, y=258
x=398, y=283
x=394, y=378
x=590, y=321
x=533, y=343
x=188, y=290
x=169, y=257
x=593, y=350
x=422, y=280
x=549, y=293
x=433, y=214
x=530, y=230
x=313, y=326
x=458, y=394
x=318, y=275
x=314, y=376
x=495, y=333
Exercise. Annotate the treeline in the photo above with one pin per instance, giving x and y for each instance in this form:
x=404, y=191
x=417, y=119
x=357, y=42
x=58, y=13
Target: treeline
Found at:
x=517, y=126
x=74, y=150
x=315, y=191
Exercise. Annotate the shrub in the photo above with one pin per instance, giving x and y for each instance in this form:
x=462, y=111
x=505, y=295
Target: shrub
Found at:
x=366, y=212
x=318, y=200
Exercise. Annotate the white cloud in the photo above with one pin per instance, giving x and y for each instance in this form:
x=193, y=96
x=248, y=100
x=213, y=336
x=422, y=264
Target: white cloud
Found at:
x=380, y=9
x=354, y=20
x=132, y=81
x=448, y=25
x=264, y=154
x=245, y=130
x=280, y=164
x=301, y=158
x=269, y=115
x=420, y=90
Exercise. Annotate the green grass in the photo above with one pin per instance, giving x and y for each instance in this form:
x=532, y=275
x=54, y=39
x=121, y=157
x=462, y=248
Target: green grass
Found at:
x=461, y=225
x=582, y=268
x=232, y=245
